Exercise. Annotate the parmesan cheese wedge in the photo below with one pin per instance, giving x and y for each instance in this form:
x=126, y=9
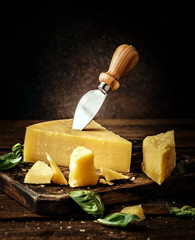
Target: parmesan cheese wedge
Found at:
x=58, y=176
x=59, y=140
x=111, y=174
x=82, y=170
x=39, y=173
x=137, y=210
x=159, y=156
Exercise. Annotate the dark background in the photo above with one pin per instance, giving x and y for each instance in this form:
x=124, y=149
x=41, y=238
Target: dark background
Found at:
x=52, y=52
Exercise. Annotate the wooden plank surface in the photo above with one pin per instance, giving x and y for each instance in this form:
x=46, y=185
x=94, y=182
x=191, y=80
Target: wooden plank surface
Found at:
x=155, y=228
x=17, y=222
x=53, y=199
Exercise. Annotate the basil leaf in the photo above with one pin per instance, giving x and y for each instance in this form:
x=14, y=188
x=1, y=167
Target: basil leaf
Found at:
x=117, y=219
x=181, y=168
x=185, y=211
x=89, y=201
x=6, y=156
x=17, y=150
x=9, y=163
x=10, y=160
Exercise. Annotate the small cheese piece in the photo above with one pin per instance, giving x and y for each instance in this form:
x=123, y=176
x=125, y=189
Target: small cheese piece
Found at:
x=103, y=181
x=82, y=170
x=111, y=175
x=159, y=157
x=58, y=176
x=137, y=210
x=39, y=173
x=59, y=140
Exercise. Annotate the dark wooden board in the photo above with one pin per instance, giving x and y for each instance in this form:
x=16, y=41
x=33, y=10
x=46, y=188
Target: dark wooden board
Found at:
x=53, y=199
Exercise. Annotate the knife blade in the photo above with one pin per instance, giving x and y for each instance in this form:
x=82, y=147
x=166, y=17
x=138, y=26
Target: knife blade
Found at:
x=124, y=59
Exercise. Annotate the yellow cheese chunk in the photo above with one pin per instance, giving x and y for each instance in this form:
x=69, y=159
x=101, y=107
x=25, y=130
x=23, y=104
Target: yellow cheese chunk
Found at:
x=59, y=140
x=137, y=210
x=111, y=175
x=58, y=176
x=103, y=181
x=82, y=170
x=159, y=157
x=39, y=173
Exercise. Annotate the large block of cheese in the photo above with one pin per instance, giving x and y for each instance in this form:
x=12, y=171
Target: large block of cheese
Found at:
x=59, y=140
x=159, y=157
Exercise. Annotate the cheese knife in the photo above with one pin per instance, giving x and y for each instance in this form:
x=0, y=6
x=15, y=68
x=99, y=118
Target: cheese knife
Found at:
x=123, y=60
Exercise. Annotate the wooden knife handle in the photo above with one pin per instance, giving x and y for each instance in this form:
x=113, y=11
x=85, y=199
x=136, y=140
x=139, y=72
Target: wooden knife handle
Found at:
x=124, y=59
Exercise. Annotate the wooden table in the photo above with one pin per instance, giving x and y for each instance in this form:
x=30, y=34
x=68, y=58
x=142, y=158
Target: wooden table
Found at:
x=17, y=222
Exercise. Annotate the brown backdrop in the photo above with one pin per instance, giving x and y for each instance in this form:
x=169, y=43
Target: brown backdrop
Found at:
x=54, y=51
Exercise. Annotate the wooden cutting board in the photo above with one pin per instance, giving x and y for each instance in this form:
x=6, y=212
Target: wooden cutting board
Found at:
x=53, y=199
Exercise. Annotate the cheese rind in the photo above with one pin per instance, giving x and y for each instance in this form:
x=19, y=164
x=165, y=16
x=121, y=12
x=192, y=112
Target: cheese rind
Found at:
x=82, y=170
x=137, y=210
x=39, y=173
x=59, y=140
x=111, y=175
x=159, y=156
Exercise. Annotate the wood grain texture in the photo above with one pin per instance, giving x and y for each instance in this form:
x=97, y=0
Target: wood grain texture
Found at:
x=123, y=60
x=152, y=228
x=152, y=207
x=53, y=199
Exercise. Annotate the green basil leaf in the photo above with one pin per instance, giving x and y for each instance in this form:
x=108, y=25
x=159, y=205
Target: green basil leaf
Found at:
x=9, y=163
x=185, y=211
x=89, y=201
x=6, y=156
x=181, y=168
x=11, y=159
x=17, y=150
x=117, y=219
